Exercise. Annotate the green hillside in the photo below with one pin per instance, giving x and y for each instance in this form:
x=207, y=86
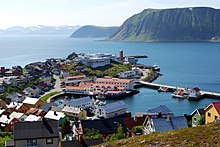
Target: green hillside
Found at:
x=206, y=135
x=178, y=24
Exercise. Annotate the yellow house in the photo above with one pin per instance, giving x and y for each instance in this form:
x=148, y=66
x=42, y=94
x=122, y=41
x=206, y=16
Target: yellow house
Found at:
x=75, y=112
x=212, y=112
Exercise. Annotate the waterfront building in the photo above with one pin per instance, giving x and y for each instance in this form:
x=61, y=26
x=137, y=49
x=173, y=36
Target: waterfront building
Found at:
x=82, y=88
x=43, y=133
x=84, y=102
x=74, y=80
x=111, y=110
x=212, y=112
x=74, y=112
x=127, y=84
x=131, y=60
x=196, y=115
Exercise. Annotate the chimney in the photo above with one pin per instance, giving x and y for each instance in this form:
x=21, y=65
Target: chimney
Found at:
x=159, y=115
x=121, y=55
x=168, y=117
x=55, y=113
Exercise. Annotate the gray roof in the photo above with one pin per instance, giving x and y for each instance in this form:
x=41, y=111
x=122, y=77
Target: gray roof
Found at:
x=9, y=143
x=48, y=106
x=162, y=124
x=114, y=106
x=39, y=129
x=162, y=108
x=78, y=101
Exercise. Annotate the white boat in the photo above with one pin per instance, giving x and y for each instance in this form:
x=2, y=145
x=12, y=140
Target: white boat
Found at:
x=156, y=67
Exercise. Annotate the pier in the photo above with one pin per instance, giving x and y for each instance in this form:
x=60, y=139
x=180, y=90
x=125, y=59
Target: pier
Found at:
x=141, y=56
x=204, y=94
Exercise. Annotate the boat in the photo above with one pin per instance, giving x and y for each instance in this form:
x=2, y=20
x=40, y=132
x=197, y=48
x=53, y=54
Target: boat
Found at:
x=179, y=94
x=163, y=89
x=156, y=67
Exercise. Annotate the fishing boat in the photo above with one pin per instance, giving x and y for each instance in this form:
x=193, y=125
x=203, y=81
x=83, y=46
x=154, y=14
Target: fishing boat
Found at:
x=178, y=94
x=163, y=89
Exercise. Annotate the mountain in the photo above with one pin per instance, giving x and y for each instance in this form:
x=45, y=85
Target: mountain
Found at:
x=94, y=32
x=178, y=24
x=39, y=30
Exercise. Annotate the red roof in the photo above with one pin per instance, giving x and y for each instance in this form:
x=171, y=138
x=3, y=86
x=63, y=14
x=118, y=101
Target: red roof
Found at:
x=216, y=105
x=196, y=89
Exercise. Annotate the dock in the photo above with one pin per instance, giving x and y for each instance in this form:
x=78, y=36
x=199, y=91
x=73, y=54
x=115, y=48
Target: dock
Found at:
x=204, y=94
x=141, y=56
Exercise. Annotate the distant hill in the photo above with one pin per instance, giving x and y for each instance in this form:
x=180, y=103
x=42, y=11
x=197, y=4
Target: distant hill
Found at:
x=39, y=30
x=206, y=135
x=94, y=32
x=178, y=24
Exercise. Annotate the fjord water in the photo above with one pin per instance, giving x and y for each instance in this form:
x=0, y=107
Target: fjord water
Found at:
x=182, y=64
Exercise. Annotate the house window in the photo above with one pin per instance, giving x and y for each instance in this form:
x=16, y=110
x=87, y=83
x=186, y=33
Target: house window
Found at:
x=209, y=114
x=49, y=141
x=31, y=142
x=216, y=117
x=194, y=118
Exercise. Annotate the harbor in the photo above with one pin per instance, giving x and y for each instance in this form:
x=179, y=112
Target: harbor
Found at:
x=204, y=94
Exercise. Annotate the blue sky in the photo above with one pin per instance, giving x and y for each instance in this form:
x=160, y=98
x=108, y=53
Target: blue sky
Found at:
x=83, y=12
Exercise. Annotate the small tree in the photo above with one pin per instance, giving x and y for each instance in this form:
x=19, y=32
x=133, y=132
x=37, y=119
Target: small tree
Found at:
x=65, y=128
x=91, y=134
x=201, y=121
x=117, y=136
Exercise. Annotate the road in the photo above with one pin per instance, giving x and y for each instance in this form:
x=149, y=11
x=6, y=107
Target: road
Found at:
x=56, y=88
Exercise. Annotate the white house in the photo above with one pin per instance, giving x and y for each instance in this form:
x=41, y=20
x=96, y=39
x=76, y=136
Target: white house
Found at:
x=75, y=112
x=80, y=102
x=32, y=118
x=111, y=110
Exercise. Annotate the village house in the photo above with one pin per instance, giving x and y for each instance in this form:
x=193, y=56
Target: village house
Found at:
x=106, y=127
x=196, y=116
x=32, y=91
x=127, y=84
x=82, y=88
x=47, y=107
x=32, y=117
x=15, y=97
x=33, y=102
x=161, y=110
x=2, y=88
x=75, y=113
x=44, y=133
x=19, y=116
x=3, y=104
x=111, y=110
x=74, y=80
x=212, y=112
x=18, y=107
x=83, y=102
x=36, y=111
x=7, y=123
x=162, y=124
x=59, y=116
x=64, y=73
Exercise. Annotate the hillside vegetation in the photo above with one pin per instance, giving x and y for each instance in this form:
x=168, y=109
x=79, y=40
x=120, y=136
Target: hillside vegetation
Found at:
x=206, y=135
x=178, y=24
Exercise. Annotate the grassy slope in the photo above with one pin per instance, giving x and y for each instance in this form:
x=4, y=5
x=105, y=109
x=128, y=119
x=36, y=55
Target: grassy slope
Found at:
x=207, y=135
x=45, y=97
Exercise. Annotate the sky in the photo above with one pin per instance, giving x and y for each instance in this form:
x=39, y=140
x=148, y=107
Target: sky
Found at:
x=83, y=12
